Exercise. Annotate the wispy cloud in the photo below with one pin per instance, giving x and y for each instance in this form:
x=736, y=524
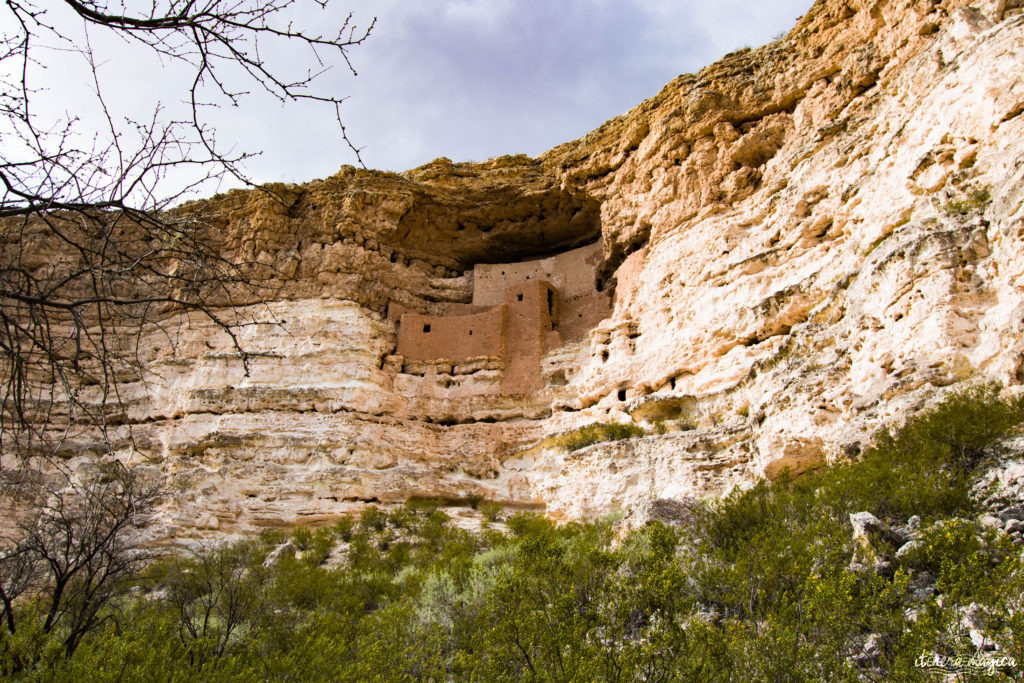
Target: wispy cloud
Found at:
x=472, y=79
x=478, y=78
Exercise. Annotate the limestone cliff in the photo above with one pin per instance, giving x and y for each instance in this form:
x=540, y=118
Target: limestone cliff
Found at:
x=794, y=246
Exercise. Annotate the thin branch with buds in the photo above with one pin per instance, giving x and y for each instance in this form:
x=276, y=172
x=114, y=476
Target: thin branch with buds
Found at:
x=91, y=253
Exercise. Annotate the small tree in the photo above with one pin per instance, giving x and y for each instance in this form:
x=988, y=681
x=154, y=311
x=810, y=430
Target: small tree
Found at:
x=76, y=550
x=17, y=569
x=97, y=249
x=215, y=593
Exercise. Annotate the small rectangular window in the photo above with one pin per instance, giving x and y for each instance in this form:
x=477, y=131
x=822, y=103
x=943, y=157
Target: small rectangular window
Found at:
x=426, y=328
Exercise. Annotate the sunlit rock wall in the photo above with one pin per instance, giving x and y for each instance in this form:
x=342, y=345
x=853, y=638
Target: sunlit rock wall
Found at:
x=802, y=242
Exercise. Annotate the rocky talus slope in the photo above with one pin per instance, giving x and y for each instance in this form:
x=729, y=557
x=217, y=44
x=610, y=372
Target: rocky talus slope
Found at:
x=798, y=244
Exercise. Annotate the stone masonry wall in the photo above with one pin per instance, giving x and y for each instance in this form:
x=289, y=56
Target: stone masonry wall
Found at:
x=572, y=273
x=454, y=338
x=533, y=316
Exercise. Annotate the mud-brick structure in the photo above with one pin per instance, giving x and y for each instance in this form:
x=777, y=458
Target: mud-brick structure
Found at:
x=572, y=273
x=519, y=313
x=455, y=338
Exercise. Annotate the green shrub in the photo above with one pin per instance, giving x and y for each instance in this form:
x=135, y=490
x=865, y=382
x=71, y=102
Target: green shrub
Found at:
x=320, y=545
x=219, y=595
x=405, y=517
x=597, y=433
x=926, y=468
x=373, y=518
x=976, y=199
x=345, y=527
x=490, y=510
x=424, y=504
x=302, y=537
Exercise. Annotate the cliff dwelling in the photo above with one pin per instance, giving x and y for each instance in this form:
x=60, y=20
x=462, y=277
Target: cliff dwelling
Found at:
x=759, y=276
x=519, y=313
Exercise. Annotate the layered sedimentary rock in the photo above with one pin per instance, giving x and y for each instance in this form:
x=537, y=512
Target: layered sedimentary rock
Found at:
x=791, y=248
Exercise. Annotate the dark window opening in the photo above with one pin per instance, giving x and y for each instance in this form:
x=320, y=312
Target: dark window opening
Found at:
x=426, y=328
x=622, y=394
x=600, y=285
x=672, y=383
x=604, y=356
x=471, y=333
x=551, y=302
x=519, y=297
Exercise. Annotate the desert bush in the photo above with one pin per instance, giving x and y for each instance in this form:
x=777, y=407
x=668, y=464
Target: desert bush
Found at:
x=373, y=518
x=928, y=466
x=218, y=594
x=490, y=510
x=344, y=528
x=597, y=433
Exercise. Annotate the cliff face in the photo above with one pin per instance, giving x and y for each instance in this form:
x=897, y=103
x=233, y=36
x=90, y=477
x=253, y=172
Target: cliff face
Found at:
x=793, y=246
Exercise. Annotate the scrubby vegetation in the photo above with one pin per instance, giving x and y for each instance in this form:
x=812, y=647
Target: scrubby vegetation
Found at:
x=597, y=432
x=768, y=584
x=975, y=199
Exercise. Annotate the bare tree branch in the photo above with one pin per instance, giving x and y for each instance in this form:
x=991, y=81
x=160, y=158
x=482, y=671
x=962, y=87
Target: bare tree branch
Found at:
x=76, y=549
x=98, y=249
x=90, y=250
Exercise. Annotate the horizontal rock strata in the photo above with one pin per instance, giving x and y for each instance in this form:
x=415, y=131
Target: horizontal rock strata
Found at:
x=795, y=246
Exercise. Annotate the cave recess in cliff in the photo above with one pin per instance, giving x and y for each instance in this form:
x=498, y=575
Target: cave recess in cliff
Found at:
x=497, y=225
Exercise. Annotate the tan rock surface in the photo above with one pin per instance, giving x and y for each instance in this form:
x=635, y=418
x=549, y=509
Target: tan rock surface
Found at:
x=803, y=242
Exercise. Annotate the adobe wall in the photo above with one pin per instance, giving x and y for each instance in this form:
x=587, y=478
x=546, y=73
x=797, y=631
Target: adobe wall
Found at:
x=582, y=314
x=397, y=310
x=533, y=313
x=520, y=312
x=453, y=338
x=572, y=273
x=465, y=309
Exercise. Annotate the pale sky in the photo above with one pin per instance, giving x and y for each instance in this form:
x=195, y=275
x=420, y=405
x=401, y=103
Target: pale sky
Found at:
x=465, y=79
x=474, y=79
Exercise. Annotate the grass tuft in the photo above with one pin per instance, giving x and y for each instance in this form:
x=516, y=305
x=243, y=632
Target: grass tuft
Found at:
x=597, y=433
